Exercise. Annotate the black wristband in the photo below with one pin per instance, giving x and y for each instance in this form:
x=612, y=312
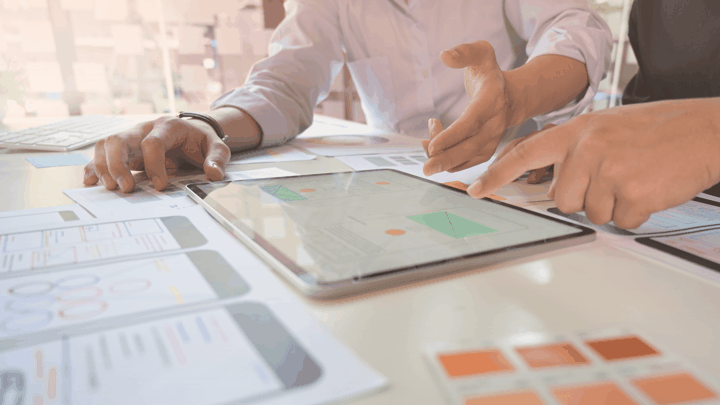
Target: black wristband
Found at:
x=210, y=120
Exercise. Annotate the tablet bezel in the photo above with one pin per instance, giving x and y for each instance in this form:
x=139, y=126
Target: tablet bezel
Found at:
x=308, y=283
x=655, y=243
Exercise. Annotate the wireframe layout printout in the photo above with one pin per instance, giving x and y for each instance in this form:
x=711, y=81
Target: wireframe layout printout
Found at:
x=350, y=224
x=57, y=300
x=11, y=220
x=61, y=246
x=171, y=321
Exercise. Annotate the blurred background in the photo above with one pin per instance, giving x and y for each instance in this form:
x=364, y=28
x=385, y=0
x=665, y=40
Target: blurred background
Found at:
x=69, y=57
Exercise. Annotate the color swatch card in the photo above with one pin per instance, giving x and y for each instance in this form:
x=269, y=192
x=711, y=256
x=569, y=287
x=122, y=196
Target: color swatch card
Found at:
x=607, y=367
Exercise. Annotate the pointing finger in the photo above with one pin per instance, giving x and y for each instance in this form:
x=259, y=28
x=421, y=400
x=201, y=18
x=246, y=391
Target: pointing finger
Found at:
x=540, y=151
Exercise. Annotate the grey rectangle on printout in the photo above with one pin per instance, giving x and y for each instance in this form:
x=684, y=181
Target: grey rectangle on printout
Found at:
x=379, y=162
x=275, y=344
x=68, y=216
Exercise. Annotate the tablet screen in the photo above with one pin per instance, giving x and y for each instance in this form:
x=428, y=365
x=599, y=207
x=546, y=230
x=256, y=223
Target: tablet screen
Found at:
x=340, y=226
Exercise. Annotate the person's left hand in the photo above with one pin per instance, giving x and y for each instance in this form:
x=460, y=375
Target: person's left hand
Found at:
x=472, y=138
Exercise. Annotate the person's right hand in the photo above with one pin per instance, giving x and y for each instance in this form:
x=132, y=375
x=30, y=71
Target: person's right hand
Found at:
x=620, y=164
x=156, y=146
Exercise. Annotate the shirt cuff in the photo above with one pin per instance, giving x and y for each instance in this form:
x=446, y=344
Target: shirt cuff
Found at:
x=275, y=128
x=586, y=47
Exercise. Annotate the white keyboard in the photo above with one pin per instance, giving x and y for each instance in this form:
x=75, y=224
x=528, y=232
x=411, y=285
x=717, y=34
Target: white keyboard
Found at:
x=65, y=135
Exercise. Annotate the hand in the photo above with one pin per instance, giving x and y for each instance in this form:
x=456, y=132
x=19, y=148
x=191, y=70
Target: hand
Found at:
x=535, y=175
x=472, y=138
x=155, y=147
x=621, y=164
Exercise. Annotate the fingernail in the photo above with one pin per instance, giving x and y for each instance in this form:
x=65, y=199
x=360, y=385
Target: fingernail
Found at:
x=430, y=122
x=475, y=188
x=156, y=183
x=106, y=180
x=431, y=149
x=453, y=53
x=436, y=168
x=123, y=182
x=533, y=177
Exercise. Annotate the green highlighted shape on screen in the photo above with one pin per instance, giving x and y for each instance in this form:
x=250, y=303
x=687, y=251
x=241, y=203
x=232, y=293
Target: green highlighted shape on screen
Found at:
x=282, y=193
x=451, y=224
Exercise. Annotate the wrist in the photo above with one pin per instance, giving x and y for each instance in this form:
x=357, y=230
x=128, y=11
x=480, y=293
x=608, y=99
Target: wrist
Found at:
x=203, y=127
x=517, y=99
x=243, y=131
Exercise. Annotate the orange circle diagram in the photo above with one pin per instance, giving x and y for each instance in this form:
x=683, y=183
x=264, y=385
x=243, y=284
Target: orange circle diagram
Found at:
x=395, y=232
x=307, y=190
x=383, y=183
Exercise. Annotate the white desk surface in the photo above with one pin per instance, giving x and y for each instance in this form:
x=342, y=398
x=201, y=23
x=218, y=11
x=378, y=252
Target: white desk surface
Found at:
x=586, y=287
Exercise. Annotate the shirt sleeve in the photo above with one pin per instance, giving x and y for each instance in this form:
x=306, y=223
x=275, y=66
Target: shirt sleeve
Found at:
x=568, y=28
x=282, y=91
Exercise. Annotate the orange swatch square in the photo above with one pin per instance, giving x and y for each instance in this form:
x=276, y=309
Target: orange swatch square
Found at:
x=622, y=348
x=561, y=354
x=472, y=363
x=595, y=394
x=520, y=398
x=674, y=388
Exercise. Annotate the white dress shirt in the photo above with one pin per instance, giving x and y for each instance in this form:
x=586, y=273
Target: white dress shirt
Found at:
x=392, y=51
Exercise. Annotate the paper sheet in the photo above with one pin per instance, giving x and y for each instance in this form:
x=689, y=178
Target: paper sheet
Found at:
x=11, y=220
x=284, y=153
x=334, y=137
x=42, y=162
x=614, y=365
x=167, y=322
x=412, y=163
x=103, y=203
x=696, y=213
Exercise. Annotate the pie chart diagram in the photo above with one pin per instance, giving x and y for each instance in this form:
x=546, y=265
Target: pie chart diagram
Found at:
x=347, y=140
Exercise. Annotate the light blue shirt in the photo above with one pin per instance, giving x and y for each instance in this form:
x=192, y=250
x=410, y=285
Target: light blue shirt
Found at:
x=392, y=51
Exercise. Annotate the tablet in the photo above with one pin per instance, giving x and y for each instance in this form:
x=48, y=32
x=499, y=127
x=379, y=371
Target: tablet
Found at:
x=343, y=233
x=700, y=247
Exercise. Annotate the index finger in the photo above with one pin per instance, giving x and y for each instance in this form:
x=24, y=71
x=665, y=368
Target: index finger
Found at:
x=165, y=135
x=543, y=149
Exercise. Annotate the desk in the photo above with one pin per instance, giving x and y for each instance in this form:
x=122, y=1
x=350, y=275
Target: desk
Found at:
x=591, y=286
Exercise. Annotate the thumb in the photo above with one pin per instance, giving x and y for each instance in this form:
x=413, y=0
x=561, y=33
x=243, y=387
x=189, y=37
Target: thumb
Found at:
x=218, y=156
x=474, y=53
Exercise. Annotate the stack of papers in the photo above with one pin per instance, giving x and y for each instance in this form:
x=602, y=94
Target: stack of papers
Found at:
x=159, y=310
